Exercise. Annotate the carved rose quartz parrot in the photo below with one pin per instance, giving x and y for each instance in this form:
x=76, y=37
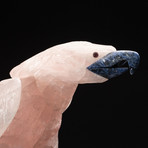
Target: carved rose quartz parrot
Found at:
x=41, y=88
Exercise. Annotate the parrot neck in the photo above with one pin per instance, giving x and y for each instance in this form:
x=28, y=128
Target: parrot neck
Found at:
x=57, y=93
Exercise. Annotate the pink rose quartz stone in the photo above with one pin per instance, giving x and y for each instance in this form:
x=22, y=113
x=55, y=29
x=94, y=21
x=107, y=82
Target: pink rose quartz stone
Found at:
x=41, y=89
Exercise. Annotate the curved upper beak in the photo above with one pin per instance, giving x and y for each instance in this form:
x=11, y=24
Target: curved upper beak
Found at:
x=116, y=63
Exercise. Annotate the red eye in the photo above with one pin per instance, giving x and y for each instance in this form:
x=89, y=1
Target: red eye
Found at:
x=95, y=54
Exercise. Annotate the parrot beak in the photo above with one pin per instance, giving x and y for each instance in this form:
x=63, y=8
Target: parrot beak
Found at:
x=116, y=63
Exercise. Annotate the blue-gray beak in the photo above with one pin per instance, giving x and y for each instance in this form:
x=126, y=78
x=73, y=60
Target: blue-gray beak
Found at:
x=116, y=63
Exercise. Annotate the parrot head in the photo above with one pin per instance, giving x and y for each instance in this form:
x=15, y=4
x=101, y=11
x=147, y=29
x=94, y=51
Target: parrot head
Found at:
x=79, y=62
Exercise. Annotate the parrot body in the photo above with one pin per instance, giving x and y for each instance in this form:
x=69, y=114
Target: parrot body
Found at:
x=41, y=88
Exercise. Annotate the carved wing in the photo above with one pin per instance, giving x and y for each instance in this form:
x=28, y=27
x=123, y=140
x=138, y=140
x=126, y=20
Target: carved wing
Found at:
x=10, y=95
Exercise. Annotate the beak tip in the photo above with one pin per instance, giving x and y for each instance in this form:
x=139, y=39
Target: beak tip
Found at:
x=132, y=71
x=134, y=63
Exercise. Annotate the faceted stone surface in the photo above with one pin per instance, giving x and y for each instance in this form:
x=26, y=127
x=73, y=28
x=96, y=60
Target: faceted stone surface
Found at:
x=67, y=62
x=48, y=82
x=38, y=119
x=9, y=101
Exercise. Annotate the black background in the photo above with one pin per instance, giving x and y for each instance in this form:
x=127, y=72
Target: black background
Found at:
x=113, y=114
